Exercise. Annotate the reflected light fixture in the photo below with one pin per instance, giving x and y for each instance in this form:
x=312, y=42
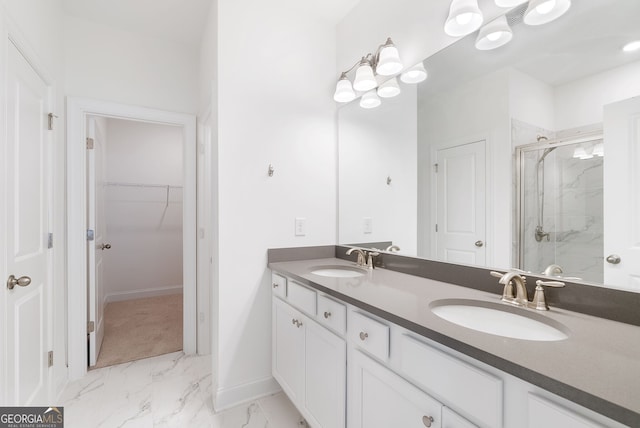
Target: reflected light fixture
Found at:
x=370, y=100
x=632, y=46
x=384, y=62
x=598, y=149
x=389, y=88
x=344, y=91
x=464, y=18
x=509, y=3
x=414, y=74
x=543, y=11
x=495, y=34
x=583, y=153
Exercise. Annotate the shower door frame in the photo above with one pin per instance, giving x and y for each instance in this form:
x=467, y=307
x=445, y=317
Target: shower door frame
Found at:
x=519, y=168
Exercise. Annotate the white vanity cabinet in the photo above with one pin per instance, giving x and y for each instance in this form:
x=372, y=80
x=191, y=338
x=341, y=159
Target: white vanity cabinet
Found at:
x=309, y=361
x=379, y=398
x=543, y=413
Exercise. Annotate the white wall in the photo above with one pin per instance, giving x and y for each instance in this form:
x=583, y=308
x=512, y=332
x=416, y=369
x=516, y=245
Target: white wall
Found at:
x=145, y=233
x=108, y=63
x=581, y=102
x=276, y=73
x=376, y=144
x=39, y=23
x=531, y=100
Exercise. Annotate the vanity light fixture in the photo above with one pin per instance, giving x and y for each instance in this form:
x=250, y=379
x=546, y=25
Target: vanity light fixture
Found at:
x=598, y=149
x=464, y=18
x=370, y=100
x=495, y=34
x=543, y=11
x=414, y=74
x=509, y=3
x=384, y=62
x=632, y=46
x=389, y=88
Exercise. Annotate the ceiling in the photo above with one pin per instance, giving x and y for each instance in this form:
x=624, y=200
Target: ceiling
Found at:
x=180, y=21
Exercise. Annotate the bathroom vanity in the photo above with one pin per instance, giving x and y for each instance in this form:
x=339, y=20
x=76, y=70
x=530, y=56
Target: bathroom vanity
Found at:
x=364, y=348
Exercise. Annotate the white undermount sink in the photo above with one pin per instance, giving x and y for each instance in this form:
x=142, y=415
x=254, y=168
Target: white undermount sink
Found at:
x=499, y=320
x=338, y=271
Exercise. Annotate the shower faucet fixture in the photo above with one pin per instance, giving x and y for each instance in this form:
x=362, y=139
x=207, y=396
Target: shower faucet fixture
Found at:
x=541, y=234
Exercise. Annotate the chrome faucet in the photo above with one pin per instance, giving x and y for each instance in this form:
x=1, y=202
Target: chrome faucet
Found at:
x=553, y=270
x=365, y=258
x=392, y=248
x=511, y=279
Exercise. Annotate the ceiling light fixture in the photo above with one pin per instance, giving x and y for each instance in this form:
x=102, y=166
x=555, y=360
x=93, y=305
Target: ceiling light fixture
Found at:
x=384, y=62
x=631, y=47
x=543, y=11
x=464, y=18
x=495, y=34
x=370, y=100
x=389, y=89
x=414, y=74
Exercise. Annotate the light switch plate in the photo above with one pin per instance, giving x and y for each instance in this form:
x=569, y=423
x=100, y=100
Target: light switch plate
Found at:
x=301, y=226
x=367, y=225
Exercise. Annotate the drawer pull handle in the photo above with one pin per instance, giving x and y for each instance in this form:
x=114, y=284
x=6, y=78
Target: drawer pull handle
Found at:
x=275, y=285
x=363, y=336
x=327, y=315
x=427, y=420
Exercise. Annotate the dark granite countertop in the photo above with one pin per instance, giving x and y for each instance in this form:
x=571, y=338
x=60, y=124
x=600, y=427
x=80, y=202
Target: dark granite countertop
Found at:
x=598, y=366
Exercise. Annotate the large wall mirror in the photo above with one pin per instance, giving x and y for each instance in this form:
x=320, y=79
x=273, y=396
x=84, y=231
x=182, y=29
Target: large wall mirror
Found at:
x=524, y=156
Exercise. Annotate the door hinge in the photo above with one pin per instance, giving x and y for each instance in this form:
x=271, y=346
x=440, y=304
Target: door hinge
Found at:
x=435, y=168
x=89, y=143
x=50, y=240
x=51, y=116
x=436, y=227
x=50, y=358
x=91, y=327
x=90, y=234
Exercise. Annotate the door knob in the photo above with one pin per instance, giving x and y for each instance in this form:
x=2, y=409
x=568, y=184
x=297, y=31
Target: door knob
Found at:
x=479, y=244
x=23, y=281
x=614, y=259
x=105, y=246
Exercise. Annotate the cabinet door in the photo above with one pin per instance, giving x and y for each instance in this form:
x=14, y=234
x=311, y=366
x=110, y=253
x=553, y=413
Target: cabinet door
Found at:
x=326, y=377
x=288, y=349
x=451, y=419
x=378, y=398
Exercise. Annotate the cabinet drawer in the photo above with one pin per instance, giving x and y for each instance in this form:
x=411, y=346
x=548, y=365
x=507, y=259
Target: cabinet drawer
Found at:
x=468, y=390
x=279, y=285
x=369, y=334
x=332, y=314
x=302, y=297
x=544, y=413
x=451, y=419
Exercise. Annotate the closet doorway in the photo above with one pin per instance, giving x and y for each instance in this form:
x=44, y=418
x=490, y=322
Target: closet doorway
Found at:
x=134, y=254
x=129, y=207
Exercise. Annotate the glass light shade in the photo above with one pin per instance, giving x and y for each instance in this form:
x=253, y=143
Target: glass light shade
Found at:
x=365, y=79
x=541, y=12
x=415, y=74
x=389, y=89
x=582, y=153
x=493, y=35
x=370, y=100
x=344, y=91
x=389, y=61
x=632, y=46
x=464, y=18
x=598, y=150
x=509, y=3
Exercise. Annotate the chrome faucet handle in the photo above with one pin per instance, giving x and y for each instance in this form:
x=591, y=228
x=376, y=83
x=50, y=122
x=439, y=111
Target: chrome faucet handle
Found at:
x=539, y=301
x=372, y=254
x=496, y=274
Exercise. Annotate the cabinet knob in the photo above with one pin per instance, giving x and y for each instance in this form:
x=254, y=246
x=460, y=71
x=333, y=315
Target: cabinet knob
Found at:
x=327, y=315
x=614, y=259
x=275, y=285
x=427, y=420
x=363, y=335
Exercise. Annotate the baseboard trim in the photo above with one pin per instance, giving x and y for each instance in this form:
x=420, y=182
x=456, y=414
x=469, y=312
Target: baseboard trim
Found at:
x=226, y=398
x=141, y=294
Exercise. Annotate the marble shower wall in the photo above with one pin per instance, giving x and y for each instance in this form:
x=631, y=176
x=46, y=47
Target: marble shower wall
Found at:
x=573, y=211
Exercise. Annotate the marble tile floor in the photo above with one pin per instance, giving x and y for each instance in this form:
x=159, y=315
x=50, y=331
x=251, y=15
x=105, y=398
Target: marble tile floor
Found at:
x=168, y=391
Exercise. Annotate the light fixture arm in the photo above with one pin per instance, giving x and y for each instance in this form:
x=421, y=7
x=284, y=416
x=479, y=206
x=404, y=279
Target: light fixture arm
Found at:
x=364, y=59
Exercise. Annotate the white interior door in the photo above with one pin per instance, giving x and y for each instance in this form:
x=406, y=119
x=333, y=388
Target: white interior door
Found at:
x=96, y=247
x=622, y=194
x=27, y=168
x=461, y=204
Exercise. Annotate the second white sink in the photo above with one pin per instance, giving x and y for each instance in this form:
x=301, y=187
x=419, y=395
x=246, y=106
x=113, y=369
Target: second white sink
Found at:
x=338, y=271
x=499, y=320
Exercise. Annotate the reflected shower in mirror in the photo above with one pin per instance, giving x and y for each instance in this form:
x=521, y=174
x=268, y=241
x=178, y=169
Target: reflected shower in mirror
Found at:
x=434, y=170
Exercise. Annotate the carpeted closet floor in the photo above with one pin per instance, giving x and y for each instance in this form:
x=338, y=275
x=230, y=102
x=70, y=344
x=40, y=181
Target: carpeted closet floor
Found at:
x=141, y=328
